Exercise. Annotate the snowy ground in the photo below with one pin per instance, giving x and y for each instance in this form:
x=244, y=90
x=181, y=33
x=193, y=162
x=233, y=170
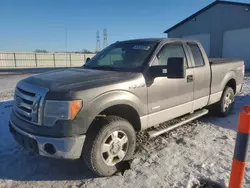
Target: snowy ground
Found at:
x=200, y=150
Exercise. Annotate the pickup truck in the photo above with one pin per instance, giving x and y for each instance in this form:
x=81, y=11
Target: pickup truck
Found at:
x=93, y=112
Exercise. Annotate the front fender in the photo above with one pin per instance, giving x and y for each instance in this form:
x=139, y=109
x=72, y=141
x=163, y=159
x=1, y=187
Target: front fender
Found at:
x=106, y=100
x=112, y=98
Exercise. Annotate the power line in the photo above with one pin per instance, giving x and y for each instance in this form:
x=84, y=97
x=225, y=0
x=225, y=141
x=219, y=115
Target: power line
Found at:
x=66, y=45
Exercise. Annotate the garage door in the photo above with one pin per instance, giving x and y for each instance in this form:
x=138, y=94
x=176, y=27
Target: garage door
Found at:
x=236, y=44
x=204, y=39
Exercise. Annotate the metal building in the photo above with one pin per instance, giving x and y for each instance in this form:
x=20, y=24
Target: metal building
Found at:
x=223, y=28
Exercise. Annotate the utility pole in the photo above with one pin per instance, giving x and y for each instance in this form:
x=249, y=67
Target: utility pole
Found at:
x=105, y=38
x=98, y=45
x=66, y=45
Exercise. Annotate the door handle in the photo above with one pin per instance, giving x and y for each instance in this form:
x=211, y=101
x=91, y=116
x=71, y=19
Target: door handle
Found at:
x=190, y=78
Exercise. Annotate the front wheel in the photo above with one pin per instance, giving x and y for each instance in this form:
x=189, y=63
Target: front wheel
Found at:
x=108, y=143
x=225, y=104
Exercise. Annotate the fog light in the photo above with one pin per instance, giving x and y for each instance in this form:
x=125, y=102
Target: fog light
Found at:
x=50, y=148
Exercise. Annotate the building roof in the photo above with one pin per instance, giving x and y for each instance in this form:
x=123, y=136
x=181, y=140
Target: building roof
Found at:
x=204, y=9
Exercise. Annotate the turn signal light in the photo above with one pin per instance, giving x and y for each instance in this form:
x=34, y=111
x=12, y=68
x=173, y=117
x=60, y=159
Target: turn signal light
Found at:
x=75, y=107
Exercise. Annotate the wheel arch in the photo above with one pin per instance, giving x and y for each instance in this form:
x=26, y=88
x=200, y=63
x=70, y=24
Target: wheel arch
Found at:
x=119, y=103
x=231, y=83
x=229, y=80
x=125, y=111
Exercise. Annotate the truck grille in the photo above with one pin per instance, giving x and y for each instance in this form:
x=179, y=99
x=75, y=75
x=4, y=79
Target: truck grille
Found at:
x=28, y=105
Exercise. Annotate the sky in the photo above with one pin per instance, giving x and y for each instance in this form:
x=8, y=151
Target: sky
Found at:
x=60, y=25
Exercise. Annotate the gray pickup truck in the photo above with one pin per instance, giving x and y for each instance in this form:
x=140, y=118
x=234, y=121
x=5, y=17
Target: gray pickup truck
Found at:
x=93, y=112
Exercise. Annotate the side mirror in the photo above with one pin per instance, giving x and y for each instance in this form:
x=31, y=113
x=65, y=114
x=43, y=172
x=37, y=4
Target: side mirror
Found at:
x=174, y=69
x=87, y=60
x=158, y=71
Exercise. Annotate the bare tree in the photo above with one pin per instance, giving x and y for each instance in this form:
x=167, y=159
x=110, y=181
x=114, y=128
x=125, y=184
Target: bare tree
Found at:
x=86, y=51
x=40, y=51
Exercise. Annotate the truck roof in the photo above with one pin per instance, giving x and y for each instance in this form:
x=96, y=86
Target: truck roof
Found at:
x=157, y=40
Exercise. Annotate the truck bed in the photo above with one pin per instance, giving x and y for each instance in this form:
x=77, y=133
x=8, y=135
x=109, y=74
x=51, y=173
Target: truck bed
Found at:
x=223, y=60
x=221, y=68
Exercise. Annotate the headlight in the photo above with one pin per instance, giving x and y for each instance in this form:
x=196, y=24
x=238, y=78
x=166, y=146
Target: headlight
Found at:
x=60, y=110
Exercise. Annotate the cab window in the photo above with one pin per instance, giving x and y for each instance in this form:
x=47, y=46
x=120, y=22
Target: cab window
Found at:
x=168, y=51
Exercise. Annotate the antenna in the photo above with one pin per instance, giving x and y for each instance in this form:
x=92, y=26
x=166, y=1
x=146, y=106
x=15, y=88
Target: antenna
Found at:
x=105, y=38
x=98, y=45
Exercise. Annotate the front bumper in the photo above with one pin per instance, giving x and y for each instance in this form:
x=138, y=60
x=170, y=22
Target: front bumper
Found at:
x=66, y=147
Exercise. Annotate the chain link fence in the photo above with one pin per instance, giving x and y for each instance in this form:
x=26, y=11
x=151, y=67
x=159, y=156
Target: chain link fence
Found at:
x=42, y=60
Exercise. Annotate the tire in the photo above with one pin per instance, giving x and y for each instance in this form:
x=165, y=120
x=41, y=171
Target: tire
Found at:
x=223, y=107
x=111, y=132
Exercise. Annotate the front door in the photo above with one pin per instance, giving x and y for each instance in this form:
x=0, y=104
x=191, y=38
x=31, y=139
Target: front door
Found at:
x=170, y=98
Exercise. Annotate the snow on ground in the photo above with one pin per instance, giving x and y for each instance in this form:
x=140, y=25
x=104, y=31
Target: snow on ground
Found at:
x=8, y=83
x=199, y=150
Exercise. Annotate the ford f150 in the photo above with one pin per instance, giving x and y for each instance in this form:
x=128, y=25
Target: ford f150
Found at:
x=93, y=112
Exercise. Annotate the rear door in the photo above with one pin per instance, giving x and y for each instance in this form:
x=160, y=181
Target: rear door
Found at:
x=202, y=75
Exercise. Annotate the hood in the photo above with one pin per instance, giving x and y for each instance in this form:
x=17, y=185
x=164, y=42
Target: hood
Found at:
x=75, y=78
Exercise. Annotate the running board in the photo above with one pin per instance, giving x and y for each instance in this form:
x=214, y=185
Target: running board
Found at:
x=188, y=118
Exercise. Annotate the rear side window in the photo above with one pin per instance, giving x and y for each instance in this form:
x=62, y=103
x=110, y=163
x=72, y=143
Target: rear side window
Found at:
x=198, y=58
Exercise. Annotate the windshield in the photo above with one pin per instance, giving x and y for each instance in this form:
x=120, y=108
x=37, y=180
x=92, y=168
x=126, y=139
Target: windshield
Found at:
x=122, y=56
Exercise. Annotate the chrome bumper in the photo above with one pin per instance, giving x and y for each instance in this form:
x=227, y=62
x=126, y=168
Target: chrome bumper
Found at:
x=68, y=147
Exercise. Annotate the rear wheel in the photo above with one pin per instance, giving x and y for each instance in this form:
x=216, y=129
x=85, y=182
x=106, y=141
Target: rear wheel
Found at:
x=225, y=104
x=109, y=142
